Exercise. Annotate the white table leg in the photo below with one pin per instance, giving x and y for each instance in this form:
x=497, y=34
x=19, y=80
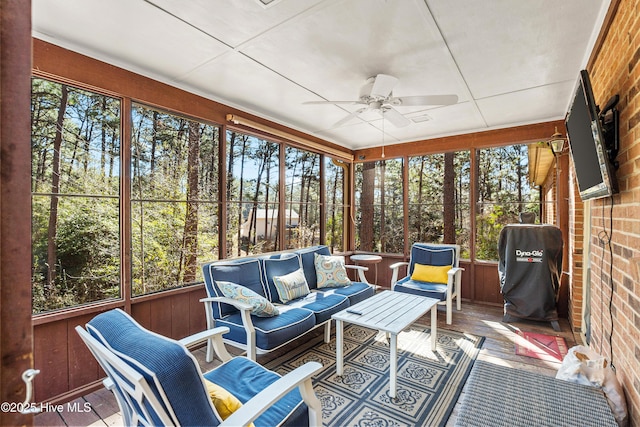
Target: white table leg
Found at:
x=434, y=326
x=339, y=349
x=393, y=369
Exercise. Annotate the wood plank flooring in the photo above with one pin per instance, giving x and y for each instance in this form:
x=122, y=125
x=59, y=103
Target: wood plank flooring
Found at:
x=474, y=319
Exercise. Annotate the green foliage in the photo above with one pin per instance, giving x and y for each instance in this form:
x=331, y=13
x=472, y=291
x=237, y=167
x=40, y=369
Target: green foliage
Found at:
x=87, y=243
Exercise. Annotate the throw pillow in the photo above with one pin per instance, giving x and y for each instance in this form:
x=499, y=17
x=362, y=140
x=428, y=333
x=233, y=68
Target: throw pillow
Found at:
x=430, y=273
x=291, y=286
x=262, y=307
x=330, y=271
x=224, y=402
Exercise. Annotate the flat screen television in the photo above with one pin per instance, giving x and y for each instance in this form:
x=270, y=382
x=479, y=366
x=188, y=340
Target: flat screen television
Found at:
x=591, y=158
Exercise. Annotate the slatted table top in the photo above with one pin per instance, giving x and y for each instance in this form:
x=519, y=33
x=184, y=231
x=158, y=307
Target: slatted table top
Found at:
x=387, y=311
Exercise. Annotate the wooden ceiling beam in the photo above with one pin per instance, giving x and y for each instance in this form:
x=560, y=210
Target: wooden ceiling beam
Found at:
x=492, y=138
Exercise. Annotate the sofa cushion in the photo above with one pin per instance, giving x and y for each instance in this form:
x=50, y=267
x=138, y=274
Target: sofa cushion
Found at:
x=246, y=272
x=261, y=306
x=278, y=266
x=291, y=286
x=322, y=304
x=356, y=291
x=291, y=405
x=330, y=271
x=307, y=258
x=431, y=273
x=271, y=332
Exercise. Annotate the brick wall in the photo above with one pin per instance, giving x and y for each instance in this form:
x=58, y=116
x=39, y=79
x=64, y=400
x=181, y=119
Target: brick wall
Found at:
x=575, y=262
x=615, y=68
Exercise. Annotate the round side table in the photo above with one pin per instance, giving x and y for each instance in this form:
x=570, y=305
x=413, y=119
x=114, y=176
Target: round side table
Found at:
x=367, y=260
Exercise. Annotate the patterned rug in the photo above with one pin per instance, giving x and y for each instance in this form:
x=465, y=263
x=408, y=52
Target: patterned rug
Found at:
x=429, y=383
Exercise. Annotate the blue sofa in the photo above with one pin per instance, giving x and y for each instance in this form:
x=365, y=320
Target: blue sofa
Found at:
x=255, y=275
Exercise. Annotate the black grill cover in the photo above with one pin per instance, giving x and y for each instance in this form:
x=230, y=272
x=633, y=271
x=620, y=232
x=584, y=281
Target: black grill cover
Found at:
x=530, y=267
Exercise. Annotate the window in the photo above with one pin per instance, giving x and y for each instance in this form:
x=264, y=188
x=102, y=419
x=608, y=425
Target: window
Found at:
x=336, y=207
x=503, y=191
x=379, y=206
x=438, y=189
x=174, y=199
x=252, y=195
x=302, y=208
x=75, y=173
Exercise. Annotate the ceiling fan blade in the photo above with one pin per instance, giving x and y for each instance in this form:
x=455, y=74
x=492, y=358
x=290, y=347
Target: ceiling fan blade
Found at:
x=394, y=116
x=424, y=100
x=333, y=102
x=349, y=117
x=383, y=85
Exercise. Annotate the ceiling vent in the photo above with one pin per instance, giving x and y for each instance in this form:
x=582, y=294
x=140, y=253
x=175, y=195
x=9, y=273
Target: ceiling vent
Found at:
x=421, y=118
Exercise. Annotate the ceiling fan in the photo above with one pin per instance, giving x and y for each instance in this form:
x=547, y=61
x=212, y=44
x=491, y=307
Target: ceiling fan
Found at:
x=377, y=95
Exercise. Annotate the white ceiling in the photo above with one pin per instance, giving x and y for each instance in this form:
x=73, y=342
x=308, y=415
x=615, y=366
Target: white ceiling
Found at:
x=510, y=62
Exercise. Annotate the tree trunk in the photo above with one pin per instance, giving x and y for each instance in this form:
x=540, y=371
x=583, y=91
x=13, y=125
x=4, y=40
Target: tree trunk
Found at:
x=240, y=197
x=449, y=214
x=52, y=253
x=366, y=206
x=420, y=209
x=334, y=190
x=383, y=219
x=191, y=220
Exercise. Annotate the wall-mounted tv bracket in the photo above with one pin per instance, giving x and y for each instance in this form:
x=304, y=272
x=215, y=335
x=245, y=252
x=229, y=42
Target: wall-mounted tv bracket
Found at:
x=609, y=118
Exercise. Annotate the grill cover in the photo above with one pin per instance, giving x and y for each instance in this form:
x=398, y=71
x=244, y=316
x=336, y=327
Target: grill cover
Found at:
x=530, y=267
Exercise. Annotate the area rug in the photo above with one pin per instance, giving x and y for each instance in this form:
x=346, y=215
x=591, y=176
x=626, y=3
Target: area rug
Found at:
x=501, y=396
x=429, y=383
x=541, y=346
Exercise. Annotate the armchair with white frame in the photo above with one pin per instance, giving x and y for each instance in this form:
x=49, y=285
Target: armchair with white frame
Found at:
x=432, y=271
x=157, y=381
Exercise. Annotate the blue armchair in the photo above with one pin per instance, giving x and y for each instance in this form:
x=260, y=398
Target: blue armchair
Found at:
x=157, y=381
x=432, y=271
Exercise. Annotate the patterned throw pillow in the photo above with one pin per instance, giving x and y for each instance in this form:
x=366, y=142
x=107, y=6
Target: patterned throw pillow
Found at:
x=330, y=271
x=262, y=307
x=430, y=273
x=291, y=286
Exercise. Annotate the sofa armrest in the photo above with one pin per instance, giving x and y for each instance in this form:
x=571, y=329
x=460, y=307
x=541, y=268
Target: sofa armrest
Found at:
x=395, y=267
x=237, y=304
x=360, y=269
x=245, y=313
x=213, y=336
x=299, y=377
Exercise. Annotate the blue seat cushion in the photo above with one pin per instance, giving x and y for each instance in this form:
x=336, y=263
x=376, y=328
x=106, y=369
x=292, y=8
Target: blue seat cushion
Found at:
x=322, y=304
x=423, y=253
x=425, y=289
x=291, y=406
x=308, y=264
x=246, y=272
x=270, y=331
x=180, y=380
x=356, y=291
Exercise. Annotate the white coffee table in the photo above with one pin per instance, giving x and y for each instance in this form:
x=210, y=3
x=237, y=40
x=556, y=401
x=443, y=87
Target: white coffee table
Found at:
x=390, y=312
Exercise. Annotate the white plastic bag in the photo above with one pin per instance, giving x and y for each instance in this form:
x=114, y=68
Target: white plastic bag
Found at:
x=584, y=366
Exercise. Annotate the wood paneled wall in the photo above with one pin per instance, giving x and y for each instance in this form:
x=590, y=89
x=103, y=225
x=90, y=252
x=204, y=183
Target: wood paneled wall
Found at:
x=68, y=369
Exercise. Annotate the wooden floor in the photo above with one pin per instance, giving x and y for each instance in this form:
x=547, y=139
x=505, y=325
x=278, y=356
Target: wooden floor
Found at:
x=482, y=320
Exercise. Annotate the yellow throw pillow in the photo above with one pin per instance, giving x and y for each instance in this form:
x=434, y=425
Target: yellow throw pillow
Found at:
x=430, y=273
x=224, y=402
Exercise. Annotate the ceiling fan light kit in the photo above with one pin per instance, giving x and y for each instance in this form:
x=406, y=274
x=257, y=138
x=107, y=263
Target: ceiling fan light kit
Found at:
x=377, y=95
